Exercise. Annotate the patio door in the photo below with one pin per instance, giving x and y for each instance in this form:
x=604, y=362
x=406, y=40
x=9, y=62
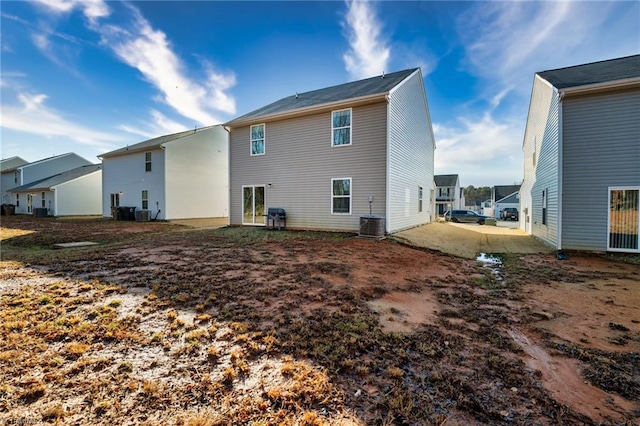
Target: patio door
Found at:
x=624, y=220
x=253, y=205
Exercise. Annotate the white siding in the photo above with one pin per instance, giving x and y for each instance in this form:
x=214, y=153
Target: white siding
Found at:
x=541, y=141
x=410, y=155
x=7, y=181
x=126, y=174
x=197, y=175
x=78, y=197
x=601, y=149
x=47, y=168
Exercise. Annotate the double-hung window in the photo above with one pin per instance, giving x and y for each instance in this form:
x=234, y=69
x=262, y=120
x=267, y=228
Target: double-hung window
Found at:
x=420, y=194
x=145, y=199
x=43, y=203
x=341, y=127
x=257, y=139
x=147, y=161
x=341, y=196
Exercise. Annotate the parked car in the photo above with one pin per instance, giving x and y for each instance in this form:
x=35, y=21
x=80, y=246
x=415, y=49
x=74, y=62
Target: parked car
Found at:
x=466, y=216
x=510, y=213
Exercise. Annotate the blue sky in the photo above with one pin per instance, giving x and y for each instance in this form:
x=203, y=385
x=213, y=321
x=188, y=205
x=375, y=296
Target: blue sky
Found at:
x=93, y=76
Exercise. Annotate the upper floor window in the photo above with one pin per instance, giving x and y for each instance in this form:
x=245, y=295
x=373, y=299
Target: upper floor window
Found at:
x=15, y=177
x=147, y=161
x=145, y=199
x=257, y=139
x=341, y=195
x=341, y=127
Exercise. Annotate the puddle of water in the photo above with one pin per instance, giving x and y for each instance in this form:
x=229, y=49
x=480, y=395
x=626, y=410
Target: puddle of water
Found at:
x=492, y=263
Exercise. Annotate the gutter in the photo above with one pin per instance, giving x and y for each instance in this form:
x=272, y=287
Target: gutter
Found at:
x=597, y=87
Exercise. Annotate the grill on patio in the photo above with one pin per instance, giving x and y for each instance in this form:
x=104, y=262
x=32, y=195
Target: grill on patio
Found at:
x=276, y=215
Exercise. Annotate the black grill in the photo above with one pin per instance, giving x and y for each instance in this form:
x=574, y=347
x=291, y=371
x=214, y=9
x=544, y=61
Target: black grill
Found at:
x=276, y=215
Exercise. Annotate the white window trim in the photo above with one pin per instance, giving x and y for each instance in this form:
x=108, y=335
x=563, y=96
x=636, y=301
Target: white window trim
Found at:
x=618, y=188
x=350, y=197
x=254, y=204
x=150, y=161
x=145, y=199
x=264, y=140
x=350, y=127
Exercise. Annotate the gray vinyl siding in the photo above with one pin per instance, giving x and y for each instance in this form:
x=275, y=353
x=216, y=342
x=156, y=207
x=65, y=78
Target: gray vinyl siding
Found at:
x=601, y=149
x=300, y=162
x=546, y=177
x=411, y=148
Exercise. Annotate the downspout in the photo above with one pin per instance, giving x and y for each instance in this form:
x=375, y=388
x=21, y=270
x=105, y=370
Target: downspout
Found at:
x=228, y=130
x=164, y=179
x=560, y=168
x=388, y=172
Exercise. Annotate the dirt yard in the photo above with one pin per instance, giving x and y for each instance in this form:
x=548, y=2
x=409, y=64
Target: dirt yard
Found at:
x=166, y=324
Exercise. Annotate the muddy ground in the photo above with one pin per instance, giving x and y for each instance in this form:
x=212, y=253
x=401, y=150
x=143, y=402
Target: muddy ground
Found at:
x=164, y=324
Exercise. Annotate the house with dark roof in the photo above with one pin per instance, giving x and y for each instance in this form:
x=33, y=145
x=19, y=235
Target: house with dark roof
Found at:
x=581, y=152
x=9, y=176
x=331, y=157
x=24, y=174
x=504, y=196
x=183, y=175
x=75, y=192
x=449, y=195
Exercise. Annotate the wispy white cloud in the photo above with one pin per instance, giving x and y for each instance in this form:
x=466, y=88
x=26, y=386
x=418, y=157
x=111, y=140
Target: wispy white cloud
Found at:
x=198, y=95
x=149, y=51
x=92, y=9
x=484, y=151
x=368, y=53
x=160, y=125
x=31, y=115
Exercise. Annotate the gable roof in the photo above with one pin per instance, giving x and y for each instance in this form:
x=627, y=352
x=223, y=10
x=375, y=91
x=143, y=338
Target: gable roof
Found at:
x=11, y=164
x=509, y=199
x=502, y=191
x=445, y=180
x=54, y=157
x=369, y=87
x=152, y=143
x=60, y=178
x=594, y=73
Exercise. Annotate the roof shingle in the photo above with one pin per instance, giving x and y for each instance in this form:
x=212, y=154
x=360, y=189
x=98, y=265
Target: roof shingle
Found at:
x=594, y=73
x=355, y=89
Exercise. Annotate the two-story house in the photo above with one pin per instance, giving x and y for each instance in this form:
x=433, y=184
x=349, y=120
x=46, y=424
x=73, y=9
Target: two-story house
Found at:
x=581, y=152
x=179, y=176
x=9, y=176
x=449, y=195
x=36, y=171
x=504, y=196
x=76, y=192
x=333, y=155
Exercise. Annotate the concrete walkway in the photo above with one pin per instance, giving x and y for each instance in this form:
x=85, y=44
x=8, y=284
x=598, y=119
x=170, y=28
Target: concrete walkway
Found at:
x=467, y=240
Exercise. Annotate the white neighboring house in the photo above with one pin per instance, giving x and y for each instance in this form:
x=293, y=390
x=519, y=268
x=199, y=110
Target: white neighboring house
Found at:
x=184, y=175
x=38, y=170
x=9, y=177
x=449, y=195
x=76, y=192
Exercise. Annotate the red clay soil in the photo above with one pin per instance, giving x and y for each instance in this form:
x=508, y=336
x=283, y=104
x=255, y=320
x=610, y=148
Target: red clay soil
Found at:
x=402, y=335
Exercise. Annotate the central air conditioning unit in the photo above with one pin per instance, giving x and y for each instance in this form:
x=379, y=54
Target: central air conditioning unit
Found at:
x=372, y=226
x=143, y=215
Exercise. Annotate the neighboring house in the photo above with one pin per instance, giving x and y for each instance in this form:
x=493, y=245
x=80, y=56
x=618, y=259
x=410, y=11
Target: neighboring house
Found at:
x=76, y=192
x=9, y=176
x=329, y=156
x=504, y=196
x=179, y=176
x=582, y=157
x=38, y=170
x=449, y=195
